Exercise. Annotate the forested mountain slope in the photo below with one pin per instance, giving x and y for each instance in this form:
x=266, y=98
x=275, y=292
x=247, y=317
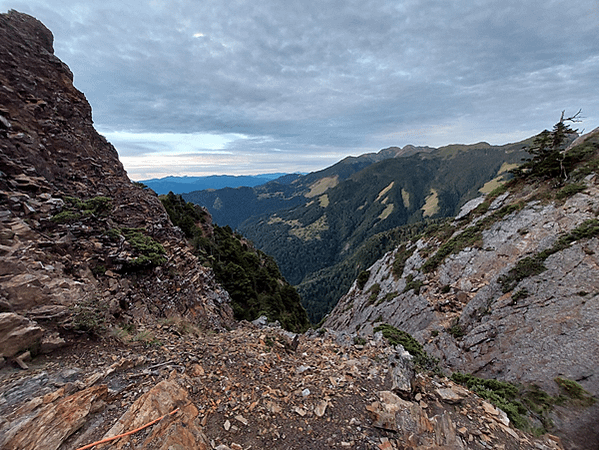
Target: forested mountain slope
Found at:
x=232, y=206
x=341, y=218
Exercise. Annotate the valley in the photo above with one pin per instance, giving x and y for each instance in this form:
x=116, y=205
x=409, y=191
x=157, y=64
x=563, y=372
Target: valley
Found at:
x=459, y=306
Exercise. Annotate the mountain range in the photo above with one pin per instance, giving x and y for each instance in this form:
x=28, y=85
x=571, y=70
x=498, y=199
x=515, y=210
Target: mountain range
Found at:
x=119, y=308
x=314, y=224
x=180, y=185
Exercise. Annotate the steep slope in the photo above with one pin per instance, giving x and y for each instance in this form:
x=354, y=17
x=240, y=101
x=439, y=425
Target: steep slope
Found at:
x=393, y=192
x=508, y=291
x=82, y=247
x=251, y=277
x=232, y=207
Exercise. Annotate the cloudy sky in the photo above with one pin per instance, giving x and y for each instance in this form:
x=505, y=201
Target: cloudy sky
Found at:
x=201, y=87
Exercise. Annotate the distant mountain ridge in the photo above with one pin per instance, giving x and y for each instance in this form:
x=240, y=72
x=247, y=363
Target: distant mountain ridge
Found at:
x=315, y=224
x=234, y=205
x=180, y=185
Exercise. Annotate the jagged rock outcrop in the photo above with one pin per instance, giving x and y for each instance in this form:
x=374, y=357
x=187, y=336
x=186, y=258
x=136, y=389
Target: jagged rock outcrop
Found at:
x=75, y=233
x=245, y=389
x=489, y=310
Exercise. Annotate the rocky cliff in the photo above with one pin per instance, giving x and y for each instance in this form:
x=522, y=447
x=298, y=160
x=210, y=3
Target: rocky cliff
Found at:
x=81, y=246
x=86, y=253
x=508, y=290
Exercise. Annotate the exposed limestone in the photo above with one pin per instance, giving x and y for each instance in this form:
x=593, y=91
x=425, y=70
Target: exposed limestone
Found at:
x=543, y=328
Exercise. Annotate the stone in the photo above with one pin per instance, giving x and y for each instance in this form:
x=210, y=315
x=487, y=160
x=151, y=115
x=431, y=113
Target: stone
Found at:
x=402, y=371
x=448, y=395
x=321, y=408
x=17, y=333
x=49, y=425
x=180, y=429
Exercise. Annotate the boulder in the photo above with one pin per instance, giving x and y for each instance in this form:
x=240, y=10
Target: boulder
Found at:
x=17, y=333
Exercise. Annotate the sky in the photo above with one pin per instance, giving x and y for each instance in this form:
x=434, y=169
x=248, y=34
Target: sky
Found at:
x=205, y=87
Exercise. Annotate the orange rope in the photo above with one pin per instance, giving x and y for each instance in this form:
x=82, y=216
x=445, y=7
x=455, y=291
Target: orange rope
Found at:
x=128, y=433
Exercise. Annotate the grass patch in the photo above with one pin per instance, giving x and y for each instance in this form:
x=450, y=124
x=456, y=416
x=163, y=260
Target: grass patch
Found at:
x=375, y=290
x=401, y=256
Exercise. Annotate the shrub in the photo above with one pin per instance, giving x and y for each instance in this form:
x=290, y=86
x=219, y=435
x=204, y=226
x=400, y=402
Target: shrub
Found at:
x=422, y=360
x=375, y=290
x=411, y=283
x=569, y=190
x=363, y=279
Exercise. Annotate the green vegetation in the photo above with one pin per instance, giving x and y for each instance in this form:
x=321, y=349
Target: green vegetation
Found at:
x=569, y=190
x=149, y=252
x=401, y=256
x=499, y=393
x=89, y=316
x=575, y=393
x=363, y=278
x=548, y=159
x=251, y=278
x=520, y=295
x=411, y=283
x=534, y=265
x=375, y=290
x=422, y=360
x=522, y=402
x=456, y=330
x=75, y=209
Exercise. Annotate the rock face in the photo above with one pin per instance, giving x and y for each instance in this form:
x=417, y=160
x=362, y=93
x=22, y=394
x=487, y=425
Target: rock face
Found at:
x=468, y=313
x=75, y=234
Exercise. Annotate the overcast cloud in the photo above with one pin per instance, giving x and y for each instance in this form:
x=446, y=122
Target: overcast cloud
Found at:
x=203, y=87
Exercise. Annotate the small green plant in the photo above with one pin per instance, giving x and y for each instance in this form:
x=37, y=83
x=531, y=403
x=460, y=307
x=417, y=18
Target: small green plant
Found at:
x=422, y=360
x=363, y=279
x=359, y=340
x=66, y=216
x=569, y=190
x=520, y=295
x=401, y=256
x=387, y=298
x=375, y=290
x=150, y=253
x=575, y=392
x=445, y=289
x=147, y=338
x=89, y=316
x=414, y=284
x=456, y=330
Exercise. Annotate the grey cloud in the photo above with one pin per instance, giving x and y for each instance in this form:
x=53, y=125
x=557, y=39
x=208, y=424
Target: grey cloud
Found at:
x=317, y=75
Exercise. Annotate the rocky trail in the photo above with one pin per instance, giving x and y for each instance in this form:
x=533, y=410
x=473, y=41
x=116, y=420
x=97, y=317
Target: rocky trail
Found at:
x=252, y=387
